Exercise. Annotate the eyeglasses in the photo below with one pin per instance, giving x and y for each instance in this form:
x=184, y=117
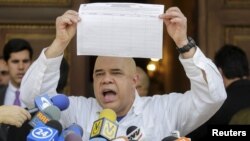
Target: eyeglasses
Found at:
x=4, y=72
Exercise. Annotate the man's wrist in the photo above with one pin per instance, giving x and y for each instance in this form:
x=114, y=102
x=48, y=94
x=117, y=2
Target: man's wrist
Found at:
x=185, y=48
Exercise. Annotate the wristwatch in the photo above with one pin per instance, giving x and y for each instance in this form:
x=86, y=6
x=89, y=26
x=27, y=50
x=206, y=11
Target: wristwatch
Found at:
x=187, y=47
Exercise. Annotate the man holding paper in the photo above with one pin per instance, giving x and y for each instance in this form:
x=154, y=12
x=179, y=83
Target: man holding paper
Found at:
x=115, y=85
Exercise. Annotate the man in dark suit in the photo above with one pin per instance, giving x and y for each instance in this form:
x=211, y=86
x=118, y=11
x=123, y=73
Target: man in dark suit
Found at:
x=17, y=54
x=234, y=67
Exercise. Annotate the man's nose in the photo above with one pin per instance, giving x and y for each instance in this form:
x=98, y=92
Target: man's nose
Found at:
x=107, y=79
x=21, y=65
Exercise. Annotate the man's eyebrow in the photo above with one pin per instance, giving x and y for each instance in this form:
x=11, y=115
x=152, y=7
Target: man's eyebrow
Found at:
x=116, y=70
x=98, y=70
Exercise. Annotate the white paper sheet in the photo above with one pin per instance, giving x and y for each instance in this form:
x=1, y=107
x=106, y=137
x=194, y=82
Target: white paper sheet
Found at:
x=120, y=29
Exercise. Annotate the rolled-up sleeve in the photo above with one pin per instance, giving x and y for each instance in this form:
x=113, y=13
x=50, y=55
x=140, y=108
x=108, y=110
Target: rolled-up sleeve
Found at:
x=41, y=78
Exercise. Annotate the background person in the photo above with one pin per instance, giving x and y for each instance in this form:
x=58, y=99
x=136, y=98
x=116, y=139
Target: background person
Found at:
x=4, y=73
x=143, y=82
x=233, y=64
x=17, y=54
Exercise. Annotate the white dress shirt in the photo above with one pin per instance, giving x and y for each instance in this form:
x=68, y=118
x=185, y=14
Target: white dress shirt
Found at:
x=10, y=95
x=156, y=116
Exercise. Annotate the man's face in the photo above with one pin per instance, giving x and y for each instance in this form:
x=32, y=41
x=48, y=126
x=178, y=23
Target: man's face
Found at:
x=18, y=64
x=141, y=89
x=114, y=83
x=4, y=73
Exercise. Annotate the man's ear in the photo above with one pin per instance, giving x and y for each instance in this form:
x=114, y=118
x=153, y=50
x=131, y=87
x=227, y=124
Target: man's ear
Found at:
x=136, y=79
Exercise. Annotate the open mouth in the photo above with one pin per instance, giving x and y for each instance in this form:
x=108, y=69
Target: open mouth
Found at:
x=109, y=95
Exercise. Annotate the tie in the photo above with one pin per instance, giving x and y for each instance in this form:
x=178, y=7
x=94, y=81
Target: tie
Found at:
x=17, y=100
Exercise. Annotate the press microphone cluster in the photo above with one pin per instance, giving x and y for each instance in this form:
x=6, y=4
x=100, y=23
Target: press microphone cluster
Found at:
x=52, y=131
x=48, y=109
x=61, y=101
x=105, y=128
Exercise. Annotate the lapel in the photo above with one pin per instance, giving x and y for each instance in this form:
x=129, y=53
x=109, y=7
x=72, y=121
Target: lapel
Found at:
x=2, y=94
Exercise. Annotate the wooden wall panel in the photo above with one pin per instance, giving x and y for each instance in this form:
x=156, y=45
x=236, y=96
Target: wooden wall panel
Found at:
x=35, y=2
x=39, y=36
x=224, y=21
x=34, y=20
x=239, y=36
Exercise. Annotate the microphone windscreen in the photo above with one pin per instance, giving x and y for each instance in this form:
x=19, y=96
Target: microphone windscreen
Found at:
x=53, y=112
x=109, y=114
x=131, y=129
x=55, y=124
x=76, y=129
x=73, y=137
x=169, y=138
x=61, y=101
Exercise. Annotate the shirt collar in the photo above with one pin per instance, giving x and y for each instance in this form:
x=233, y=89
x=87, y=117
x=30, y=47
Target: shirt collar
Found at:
x=12, y=87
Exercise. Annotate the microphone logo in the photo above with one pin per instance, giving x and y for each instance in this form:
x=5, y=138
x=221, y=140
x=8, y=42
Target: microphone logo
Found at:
x=135, y=135
x=45, y=103
x=42, y=132
x=96, y=127
x=105, y=128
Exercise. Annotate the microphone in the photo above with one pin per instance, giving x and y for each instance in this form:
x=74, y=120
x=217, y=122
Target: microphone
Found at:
x=61, y=101
x=42, y=117
x=47, y=132
x=41, y=102
x=72, y=133
x=105, y=127
x=176, y=133
x=169, y=138
x=134, y=133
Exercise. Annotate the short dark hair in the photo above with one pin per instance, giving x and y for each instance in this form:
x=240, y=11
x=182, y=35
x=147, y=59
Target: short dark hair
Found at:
x=233, y=61
x=16, y=45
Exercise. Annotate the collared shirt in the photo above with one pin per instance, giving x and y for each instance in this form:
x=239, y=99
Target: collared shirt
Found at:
x=156, y=116
x=10, y=95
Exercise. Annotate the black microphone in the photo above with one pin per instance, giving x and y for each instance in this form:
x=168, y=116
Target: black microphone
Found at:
x=42, y=117
x=169, y=138
x=134, y=133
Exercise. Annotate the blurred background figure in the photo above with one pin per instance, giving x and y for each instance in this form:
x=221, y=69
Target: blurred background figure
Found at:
x=143, y=82
x=233, y=65
x=4, y=73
